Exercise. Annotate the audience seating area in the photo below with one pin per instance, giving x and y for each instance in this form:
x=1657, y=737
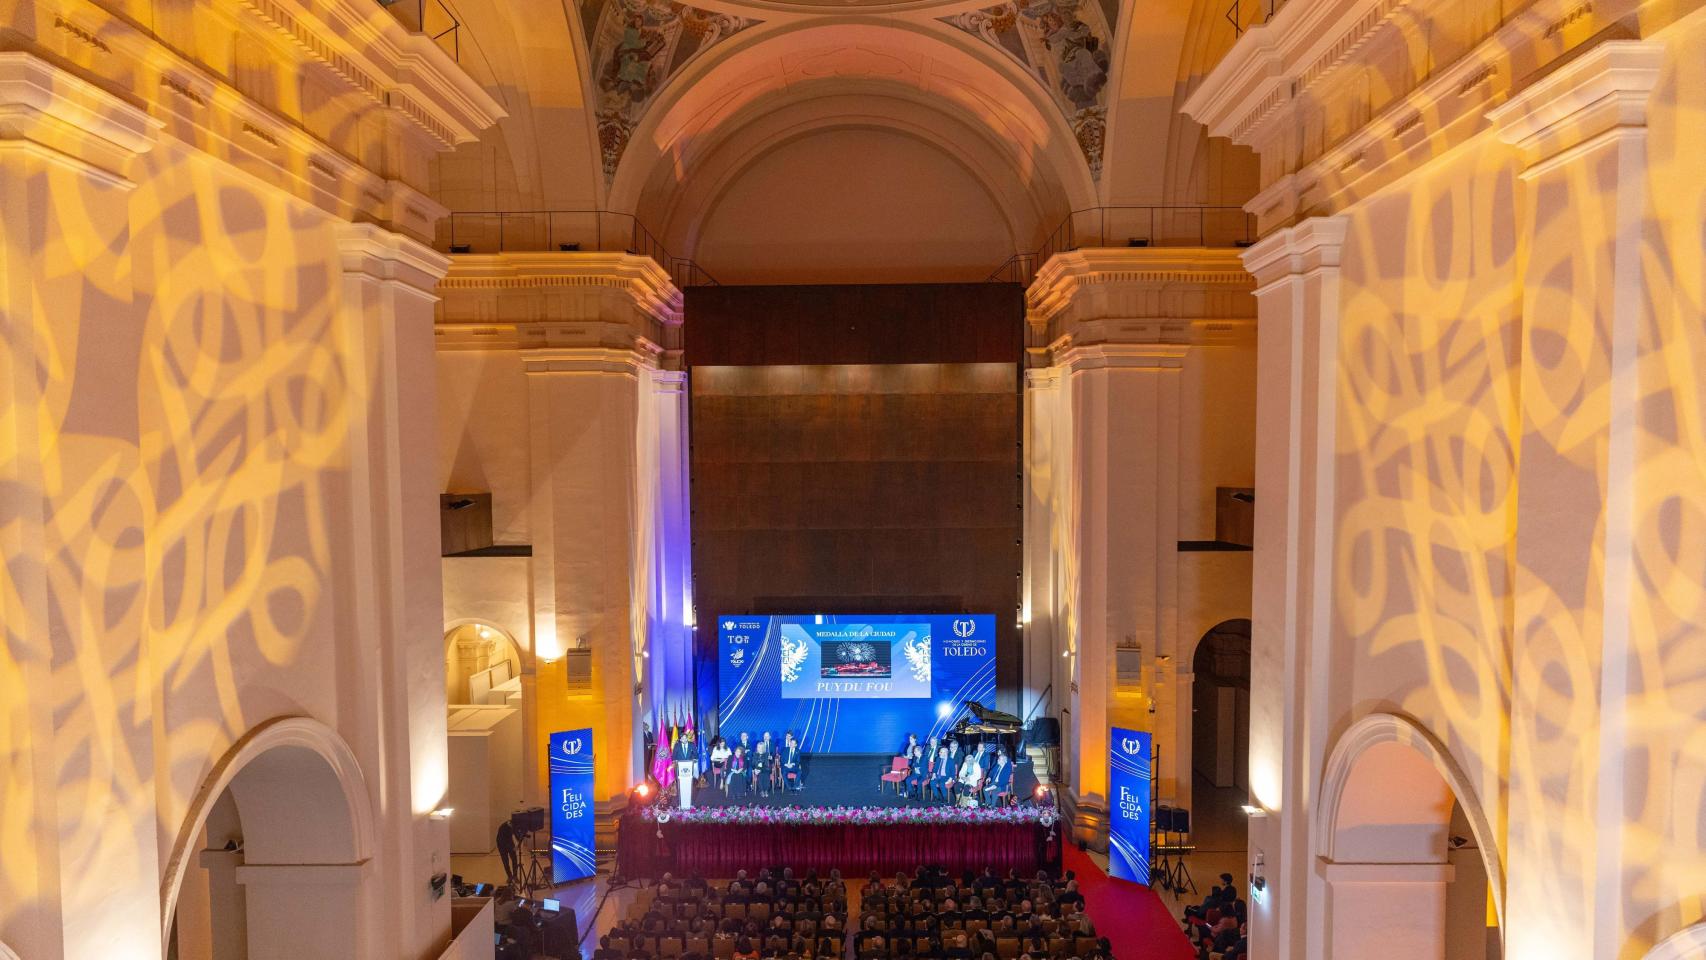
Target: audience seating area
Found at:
x=931, y=915
x=924, y=915
x=1216, y=927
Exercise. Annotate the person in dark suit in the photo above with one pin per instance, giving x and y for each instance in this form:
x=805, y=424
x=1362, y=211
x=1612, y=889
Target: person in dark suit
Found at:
x=917, y=772
x=790, y=758
x=1000, y=779
x=942, y=771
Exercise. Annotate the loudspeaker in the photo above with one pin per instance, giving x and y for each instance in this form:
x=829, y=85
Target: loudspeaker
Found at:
x=531, y=820
x=560, y=933
x=1172, y=819
x=1045, y=732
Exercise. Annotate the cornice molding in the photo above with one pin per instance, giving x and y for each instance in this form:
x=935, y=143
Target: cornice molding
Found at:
x=387, y=63
x=1601, y=92
x=1311, y=245
x=641, y=278
x=64, y=119
x=572, y=301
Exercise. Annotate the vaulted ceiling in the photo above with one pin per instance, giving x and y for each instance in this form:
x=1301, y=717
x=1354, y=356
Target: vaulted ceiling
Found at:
x=957, y=129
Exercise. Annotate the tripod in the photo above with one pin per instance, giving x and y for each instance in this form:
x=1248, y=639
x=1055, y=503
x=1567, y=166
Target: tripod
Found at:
x=534, y=873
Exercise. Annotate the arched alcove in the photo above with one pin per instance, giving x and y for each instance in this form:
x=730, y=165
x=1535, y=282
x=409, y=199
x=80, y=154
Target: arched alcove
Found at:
x=1393, y=803
x=478, y=656
x=272, y=857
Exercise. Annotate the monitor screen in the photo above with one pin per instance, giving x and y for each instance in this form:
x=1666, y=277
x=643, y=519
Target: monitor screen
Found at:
x=852, y=683
x=551, y=906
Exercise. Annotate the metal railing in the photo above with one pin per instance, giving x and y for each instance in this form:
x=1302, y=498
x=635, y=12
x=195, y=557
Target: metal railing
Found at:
x=432, y=18
x=1121, y=226
x=1244, y=14
x=499, y=231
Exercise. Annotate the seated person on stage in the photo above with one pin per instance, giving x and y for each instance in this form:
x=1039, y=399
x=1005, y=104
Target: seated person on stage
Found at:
x=971, y=775
x=917, y=771
x=790, y=763
x=758, y=763
x=737, y=769
x=911, y=741
x=720, y=754
x=941, y=774
x=1000, y=777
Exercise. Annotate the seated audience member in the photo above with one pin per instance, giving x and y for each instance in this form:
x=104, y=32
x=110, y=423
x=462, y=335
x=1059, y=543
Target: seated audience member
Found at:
x=745, y=950
x=604, y=952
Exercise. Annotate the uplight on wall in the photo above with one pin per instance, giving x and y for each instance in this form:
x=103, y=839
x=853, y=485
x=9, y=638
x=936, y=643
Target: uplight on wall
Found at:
x=442, y=813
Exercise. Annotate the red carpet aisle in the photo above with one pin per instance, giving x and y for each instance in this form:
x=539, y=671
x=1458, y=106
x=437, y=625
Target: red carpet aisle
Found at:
x=1130, y=915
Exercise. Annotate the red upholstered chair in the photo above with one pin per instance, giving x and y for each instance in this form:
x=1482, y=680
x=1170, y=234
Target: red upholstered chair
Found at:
x=896, y=774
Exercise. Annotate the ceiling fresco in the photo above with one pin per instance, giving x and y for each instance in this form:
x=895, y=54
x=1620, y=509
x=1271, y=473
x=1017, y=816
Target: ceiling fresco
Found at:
x=636, y=46
x=1065, y=44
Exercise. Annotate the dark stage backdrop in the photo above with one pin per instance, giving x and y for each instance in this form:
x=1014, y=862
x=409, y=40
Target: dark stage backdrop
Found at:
x=855, y=449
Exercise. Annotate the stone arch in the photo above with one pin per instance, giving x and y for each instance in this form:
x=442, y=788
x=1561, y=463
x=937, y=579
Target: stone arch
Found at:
x=1386, y=744
x=1689, y=943
x=303, y=803
x=770, y=64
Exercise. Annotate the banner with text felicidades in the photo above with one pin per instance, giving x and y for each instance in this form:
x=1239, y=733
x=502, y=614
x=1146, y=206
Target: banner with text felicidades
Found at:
x=1128, y=804
x=572, y=826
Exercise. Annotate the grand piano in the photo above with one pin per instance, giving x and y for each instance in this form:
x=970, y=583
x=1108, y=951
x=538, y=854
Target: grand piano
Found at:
x=991, y=726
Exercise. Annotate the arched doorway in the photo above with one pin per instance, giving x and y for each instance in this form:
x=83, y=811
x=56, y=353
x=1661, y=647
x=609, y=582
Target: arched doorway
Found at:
x=478, y=659
x=1220, y=753
x=1220, y=705
x=1406, y=854
x=272, y=859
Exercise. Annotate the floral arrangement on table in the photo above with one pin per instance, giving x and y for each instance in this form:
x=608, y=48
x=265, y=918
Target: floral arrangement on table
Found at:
x=852, y=816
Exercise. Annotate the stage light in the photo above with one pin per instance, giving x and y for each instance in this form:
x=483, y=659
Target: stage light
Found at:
x=943, y=709
x=1251, y=810
x=1040, y=792
x=442, y=813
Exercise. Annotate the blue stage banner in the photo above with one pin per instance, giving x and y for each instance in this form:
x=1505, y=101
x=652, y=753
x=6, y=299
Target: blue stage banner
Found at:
x=1128, y=809
x=572, y=841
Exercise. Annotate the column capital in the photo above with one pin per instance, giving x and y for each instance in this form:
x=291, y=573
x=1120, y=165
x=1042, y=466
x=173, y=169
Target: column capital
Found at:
x=57, y=116
x=1597, y=96
x=550, y=300
x=387, y=257
x=1311, y=245
x=1142, y=303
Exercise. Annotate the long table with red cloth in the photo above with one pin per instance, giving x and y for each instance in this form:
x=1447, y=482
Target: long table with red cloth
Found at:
x=721, y=849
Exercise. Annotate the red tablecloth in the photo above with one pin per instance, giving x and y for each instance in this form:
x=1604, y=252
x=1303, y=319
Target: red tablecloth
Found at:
x=718, y=850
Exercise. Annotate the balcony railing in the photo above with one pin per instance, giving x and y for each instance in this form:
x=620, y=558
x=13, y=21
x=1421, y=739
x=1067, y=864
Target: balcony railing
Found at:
x=432, y=18
x=1164, y=226
x=1244, y=14
x=499, y=231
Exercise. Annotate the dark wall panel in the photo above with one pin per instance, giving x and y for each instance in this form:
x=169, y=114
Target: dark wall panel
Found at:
x=855, y=324
x=836, y=475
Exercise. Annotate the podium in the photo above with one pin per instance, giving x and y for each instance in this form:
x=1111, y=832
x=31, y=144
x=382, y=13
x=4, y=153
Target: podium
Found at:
x=685, y=772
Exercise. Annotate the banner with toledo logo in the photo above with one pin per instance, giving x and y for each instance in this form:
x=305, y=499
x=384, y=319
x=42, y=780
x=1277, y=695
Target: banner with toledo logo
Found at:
x=1128, y=813
x=571, y=806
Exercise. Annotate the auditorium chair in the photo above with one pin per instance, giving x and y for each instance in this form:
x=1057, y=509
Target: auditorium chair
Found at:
x=896, y=775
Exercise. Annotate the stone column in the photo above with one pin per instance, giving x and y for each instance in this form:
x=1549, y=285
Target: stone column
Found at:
x=1111, y=333
x=607, y=499
x=1297, y=296
x=386, y=306
x=76, y=714
x=1581, y=131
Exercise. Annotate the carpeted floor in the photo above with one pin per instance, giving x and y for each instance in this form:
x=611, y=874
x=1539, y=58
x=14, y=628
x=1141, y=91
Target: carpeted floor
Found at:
x=1130, y=915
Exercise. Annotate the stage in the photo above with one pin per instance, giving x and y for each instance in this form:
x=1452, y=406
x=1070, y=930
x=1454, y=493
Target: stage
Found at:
x=839, y=820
